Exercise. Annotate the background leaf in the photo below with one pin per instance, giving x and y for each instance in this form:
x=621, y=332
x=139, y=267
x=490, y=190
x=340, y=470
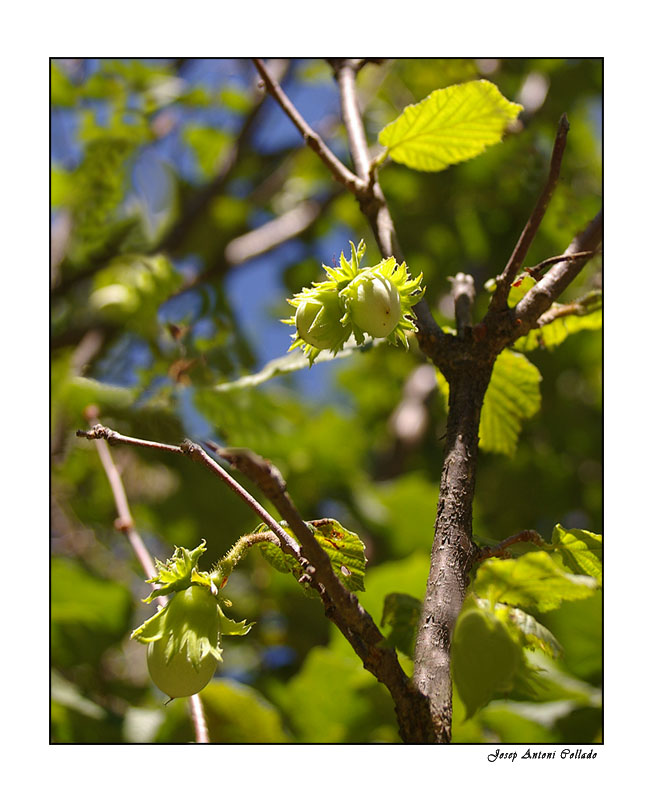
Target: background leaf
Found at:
x=484, y=658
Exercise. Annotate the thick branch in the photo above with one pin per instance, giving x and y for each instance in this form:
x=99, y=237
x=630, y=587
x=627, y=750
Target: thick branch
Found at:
x=505, y=280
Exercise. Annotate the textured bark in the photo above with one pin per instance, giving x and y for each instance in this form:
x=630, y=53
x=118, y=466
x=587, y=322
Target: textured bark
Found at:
x=453, y=550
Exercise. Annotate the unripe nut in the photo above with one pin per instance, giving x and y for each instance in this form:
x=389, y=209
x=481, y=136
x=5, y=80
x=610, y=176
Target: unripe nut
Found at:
x=318, y=321
x=375, y=306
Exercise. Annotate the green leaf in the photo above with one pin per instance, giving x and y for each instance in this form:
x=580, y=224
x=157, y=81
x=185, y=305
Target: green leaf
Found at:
x=581, y=551
x=485, y=658
x=87, y=614
x=332, y=699
x=556, y=332
x=344, y=548
x=450, y=125
x=512, y=396
x=400, y=618
x=237, y=714
x=533, y=580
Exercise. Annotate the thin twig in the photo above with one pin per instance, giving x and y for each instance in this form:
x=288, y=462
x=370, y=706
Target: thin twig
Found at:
x=500, y=550
x=505, y=280
x=538, y=269
x=195, y=453
x=311, y=138
x=125, y=524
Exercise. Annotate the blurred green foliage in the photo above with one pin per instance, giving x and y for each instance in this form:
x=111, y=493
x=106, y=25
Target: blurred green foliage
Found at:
x=158, y=165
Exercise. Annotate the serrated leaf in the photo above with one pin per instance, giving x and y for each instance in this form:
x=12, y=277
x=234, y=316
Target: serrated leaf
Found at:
x=512, y=396
x=400, y=618
x=450, y=125
x=533, y=580
x=556, y=332
x=485, y=658
x=344, y=548
x=581, y=551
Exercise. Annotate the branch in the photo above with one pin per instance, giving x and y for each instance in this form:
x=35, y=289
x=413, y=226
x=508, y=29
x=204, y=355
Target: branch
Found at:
x=558, y=278
x=344, y=609
x=311, y=138
x=124, y=523
x=505, y=280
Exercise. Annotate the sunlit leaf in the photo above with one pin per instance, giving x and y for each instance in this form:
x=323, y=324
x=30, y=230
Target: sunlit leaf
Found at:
x=533, y=580
x=556, y=332
x=581, y=551
x=449, y=126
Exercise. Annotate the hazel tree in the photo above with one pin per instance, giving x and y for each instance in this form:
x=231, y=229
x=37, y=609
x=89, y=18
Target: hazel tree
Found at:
x=478, y=632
